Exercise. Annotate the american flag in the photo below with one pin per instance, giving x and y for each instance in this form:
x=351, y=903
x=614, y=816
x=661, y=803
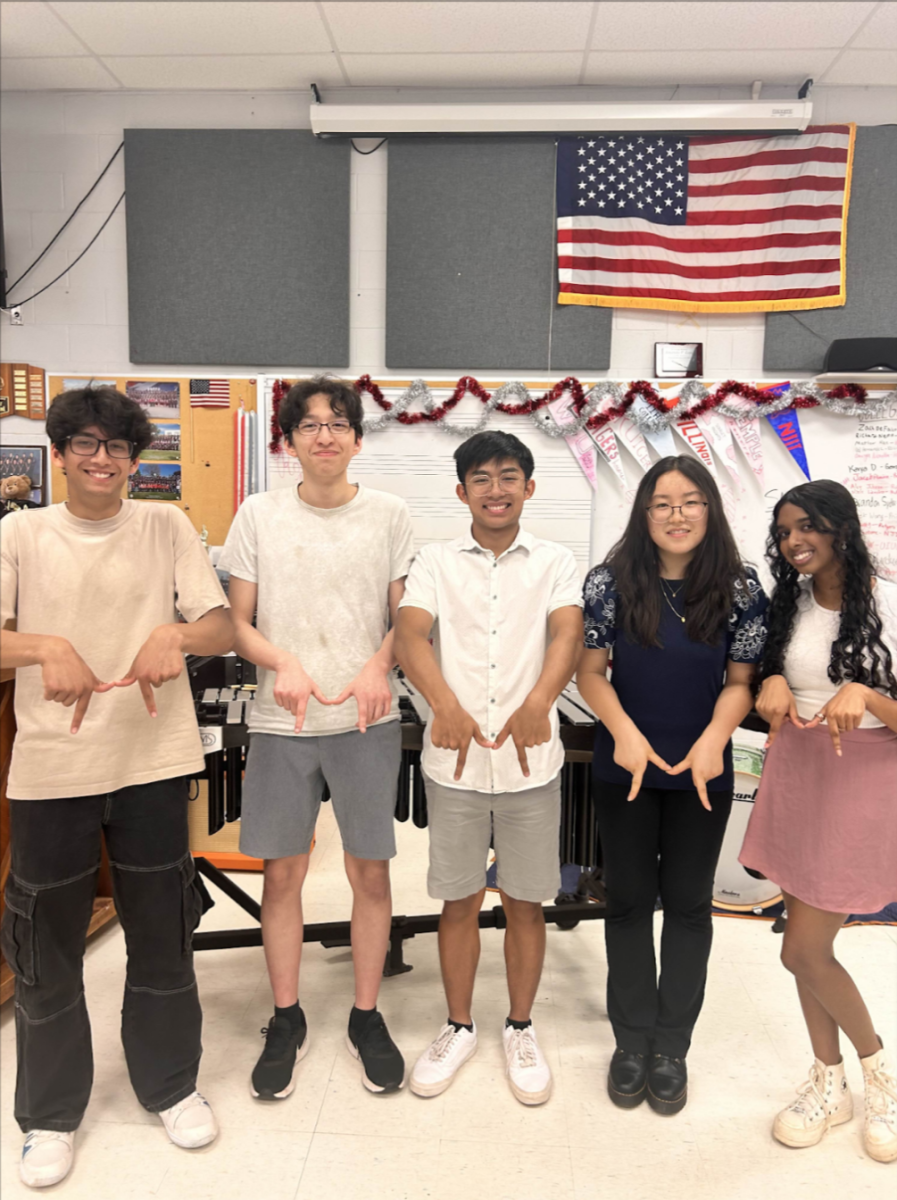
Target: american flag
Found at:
x=209, y=393
x=704, y=224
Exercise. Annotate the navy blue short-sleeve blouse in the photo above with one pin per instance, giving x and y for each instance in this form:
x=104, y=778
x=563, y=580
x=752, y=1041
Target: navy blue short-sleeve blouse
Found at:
x=669, y=691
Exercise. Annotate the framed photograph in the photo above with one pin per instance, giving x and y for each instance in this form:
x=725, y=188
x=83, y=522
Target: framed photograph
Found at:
x=678, y=360
x=156, y=481
x=30, y=461
x=166, y=443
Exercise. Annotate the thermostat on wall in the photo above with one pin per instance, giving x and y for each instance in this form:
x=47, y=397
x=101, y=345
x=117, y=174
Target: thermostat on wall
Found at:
x=678, y=360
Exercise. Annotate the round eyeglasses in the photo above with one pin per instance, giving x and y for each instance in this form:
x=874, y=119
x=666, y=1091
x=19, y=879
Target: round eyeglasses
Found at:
x=692, y=510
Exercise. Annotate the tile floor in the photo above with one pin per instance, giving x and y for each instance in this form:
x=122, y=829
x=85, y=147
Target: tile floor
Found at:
x=333, y=1140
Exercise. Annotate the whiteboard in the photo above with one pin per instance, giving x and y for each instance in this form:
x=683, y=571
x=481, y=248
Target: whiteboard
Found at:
x=860, y=452
x=415, y=462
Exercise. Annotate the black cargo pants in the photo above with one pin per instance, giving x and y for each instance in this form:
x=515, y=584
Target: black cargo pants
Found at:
x=49, y=902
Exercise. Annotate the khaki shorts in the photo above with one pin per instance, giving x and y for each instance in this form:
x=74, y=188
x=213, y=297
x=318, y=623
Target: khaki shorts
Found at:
x=524, y=828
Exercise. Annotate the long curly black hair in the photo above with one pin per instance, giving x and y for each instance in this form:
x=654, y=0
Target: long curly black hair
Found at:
x=711, y=575
x=859, y=655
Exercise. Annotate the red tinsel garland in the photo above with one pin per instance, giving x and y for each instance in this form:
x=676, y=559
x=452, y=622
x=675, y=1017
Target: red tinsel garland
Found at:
x=640, y=389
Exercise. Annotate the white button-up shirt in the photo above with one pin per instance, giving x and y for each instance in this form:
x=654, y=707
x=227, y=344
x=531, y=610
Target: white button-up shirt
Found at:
x=490, y=636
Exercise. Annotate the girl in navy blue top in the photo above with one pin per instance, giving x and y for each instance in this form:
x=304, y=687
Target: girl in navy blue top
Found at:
x=684, y=622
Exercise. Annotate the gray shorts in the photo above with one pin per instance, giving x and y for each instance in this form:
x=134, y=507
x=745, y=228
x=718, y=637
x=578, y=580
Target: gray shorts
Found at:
x=524, y=827
x=284, y=783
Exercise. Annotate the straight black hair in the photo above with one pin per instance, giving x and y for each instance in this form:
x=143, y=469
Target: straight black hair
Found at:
x=492, y=446
x=859, y=655
x=711, y=575
x=344, y=402
x=117, y=415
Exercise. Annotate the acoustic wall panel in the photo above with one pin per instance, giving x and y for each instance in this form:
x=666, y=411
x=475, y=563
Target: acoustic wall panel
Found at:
x=798, y=341
x=471, y=270
x=238, y=247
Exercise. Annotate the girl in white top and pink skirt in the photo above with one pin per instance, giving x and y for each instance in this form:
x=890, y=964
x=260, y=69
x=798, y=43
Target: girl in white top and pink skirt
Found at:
x=824, y=824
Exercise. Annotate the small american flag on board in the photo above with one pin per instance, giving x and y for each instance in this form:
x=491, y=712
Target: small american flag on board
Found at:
x=209, y=393
x=704, y=224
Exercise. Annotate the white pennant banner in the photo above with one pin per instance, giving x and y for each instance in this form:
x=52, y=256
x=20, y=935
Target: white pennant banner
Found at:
x=606, y=442
x=747, y=435
x=632, y=439
x=694, y=437
x=716, y=430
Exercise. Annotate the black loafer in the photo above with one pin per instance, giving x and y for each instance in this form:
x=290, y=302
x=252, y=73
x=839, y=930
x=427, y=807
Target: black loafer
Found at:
x=627, y=1078
x=667, y=1084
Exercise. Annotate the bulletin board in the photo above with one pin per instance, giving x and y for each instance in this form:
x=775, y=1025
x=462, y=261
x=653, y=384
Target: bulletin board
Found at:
x=799, y=341
x=204, y=443
x=471, y=267
x=238, y=246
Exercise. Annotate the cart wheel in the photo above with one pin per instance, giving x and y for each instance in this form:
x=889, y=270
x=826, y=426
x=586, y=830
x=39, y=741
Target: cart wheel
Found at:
x=567, y=924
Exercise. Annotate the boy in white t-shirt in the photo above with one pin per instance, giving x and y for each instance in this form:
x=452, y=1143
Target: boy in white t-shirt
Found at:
x=321, y=568
x=106, y=733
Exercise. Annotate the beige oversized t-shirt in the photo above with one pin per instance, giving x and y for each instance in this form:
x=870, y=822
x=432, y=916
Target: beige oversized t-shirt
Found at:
x=323, y=578
x=105, y=586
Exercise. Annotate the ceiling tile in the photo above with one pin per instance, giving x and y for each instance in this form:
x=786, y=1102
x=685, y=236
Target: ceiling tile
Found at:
x=198, y=28
x=863, y=67
x=880, y=33
x=711, y=67
x=724, y=26
x=227, y=72
x=54, y=74
x=453, y=27
x=462, y=70
x=32, y=31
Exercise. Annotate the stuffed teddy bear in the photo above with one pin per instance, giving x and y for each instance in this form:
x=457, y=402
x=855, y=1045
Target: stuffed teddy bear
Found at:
x=14, y=493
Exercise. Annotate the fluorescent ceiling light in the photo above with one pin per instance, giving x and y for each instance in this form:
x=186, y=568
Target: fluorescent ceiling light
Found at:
x=390, y=120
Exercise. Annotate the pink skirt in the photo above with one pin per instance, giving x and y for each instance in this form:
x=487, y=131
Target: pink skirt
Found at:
x=824, y=828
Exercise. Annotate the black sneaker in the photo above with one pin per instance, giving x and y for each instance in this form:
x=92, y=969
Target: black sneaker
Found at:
x=285, y=1045
x=383, y=1068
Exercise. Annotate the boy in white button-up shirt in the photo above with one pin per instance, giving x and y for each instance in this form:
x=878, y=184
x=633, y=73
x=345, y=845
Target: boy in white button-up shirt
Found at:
x=505, y=612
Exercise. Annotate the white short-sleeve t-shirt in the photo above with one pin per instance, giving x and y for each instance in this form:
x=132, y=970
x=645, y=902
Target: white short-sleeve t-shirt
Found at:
x=323, y=577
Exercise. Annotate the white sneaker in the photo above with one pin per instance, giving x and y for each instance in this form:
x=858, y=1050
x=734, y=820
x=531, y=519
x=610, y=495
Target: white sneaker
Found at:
x=528, y=1072
x=823, y=1101
x=441, y=1061
x=47, y=1157
x=880, y=1130
x=190, y=1123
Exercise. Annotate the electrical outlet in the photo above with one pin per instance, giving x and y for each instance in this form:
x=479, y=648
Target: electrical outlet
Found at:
x=15, y=316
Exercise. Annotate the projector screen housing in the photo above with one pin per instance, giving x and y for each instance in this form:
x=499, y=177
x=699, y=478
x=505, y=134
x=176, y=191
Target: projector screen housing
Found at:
x=396, y=120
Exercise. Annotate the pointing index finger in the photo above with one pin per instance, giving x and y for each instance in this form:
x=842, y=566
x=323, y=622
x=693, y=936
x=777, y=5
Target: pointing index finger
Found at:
x=836, y=734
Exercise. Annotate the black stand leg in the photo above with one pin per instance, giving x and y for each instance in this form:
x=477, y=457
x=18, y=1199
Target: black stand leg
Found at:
x=395, y=957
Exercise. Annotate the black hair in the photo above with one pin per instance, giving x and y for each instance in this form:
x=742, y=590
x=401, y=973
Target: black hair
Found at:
x=709, y=579
x=117, y=415
x=859, y=654
x=492, y=446
x=343, y=397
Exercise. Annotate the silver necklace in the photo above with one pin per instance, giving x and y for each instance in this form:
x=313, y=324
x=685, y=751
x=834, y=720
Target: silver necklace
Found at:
x=670, y=604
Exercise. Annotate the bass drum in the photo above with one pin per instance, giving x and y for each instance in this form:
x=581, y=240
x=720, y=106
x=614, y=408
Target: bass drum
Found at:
x=733, y=887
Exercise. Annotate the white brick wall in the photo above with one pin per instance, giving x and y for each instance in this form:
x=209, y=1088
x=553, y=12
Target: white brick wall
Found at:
x=54, y=145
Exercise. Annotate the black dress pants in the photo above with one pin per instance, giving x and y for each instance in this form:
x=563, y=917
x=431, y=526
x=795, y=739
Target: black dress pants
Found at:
x=664, y=842
x=49, y=902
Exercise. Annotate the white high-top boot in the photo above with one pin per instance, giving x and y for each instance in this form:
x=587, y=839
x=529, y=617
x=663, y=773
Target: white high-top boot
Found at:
x=880, y=1129
x=824, y=1100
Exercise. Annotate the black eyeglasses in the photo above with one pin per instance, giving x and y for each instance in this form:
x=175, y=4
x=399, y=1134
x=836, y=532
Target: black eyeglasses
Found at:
x=692, y=510
x=84, y=444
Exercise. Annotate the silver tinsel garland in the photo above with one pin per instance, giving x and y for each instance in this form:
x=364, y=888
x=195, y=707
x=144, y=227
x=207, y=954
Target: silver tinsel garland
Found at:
x=605, y=395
